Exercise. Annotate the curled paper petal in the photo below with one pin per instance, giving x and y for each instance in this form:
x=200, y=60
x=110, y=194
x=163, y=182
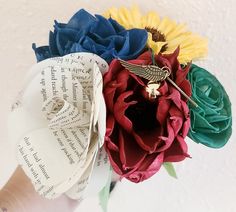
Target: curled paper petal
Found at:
x=97, y=178
x=211, y=122
x=59, y=123
x=62, y=115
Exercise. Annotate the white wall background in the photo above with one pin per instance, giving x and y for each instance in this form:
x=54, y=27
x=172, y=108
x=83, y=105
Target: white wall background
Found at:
x=207, y=182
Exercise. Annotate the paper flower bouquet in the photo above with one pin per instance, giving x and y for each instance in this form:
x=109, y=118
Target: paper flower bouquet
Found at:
x=115, y=93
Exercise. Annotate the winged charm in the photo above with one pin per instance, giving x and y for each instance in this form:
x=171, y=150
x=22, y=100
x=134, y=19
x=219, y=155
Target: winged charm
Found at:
x=149, y=72
x=155, y=75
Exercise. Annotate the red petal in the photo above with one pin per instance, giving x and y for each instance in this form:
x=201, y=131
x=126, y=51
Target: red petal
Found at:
x=109, y=145
x=176, y=124
x=162, y=114
x=164, y=88
x=149, y=139
x=181, y=75
x=175, y=96
x=173, y=58
x=110, y=123
x=110, y=75
x=109, y=94
x=186, y=127
x=122, y=79
x=111, y=138
x=187, y=88
x=120, y=107
x=167, y=141
x=185, y=109
x=145, y=58
x=169, y=60
x=178, y=150
x=131, y=155
x=150, y=166
x=114, y=159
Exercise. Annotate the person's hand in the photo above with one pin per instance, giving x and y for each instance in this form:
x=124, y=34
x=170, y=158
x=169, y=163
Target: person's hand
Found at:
x=18, y=195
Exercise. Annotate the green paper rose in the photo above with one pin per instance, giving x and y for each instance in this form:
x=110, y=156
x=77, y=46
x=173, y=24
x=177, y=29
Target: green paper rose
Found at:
x=211, y=122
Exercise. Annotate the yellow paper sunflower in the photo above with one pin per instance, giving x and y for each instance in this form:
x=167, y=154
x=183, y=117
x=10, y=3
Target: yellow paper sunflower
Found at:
x=164, y=35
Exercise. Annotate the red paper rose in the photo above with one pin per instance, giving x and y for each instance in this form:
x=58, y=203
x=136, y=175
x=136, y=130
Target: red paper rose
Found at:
x=142, y=133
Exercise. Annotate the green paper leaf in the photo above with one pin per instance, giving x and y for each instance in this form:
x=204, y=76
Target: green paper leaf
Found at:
x=170, y=169
x=105, y=193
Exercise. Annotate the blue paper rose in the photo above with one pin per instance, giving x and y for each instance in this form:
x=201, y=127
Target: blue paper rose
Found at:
x=96, y=34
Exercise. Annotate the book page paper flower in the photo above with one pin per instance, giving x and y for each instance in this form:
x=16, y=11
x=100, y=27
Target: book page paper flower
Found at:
x=59, y=124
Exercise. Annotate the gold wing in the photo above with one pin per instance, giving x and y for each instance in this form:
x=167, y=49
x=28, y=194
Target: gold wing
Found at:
x=149, y=72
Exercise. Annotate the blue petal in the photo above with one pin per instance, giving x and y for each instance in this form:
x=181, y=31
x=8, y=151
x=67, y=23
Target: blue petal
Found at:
x=52, y=44
x=77, y=47
x=89, y=44
x=108, y=55
x=118, y=28
x=80, y=20
x=125, y=50
x=63, y=37
x=58, y=25
x=102, y=27
x=42, y=52
x=136, y=42
x=119, y=42
x=106, y=41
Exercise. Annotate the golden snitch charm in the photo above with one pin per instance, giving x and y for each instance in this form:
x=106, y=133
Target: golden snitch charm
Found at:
x=155, y=75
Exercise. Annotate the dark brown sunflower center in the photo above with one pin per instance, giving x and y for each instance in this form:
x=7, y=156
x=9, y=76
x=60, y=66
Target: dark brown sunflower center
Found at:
x=157, y=36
